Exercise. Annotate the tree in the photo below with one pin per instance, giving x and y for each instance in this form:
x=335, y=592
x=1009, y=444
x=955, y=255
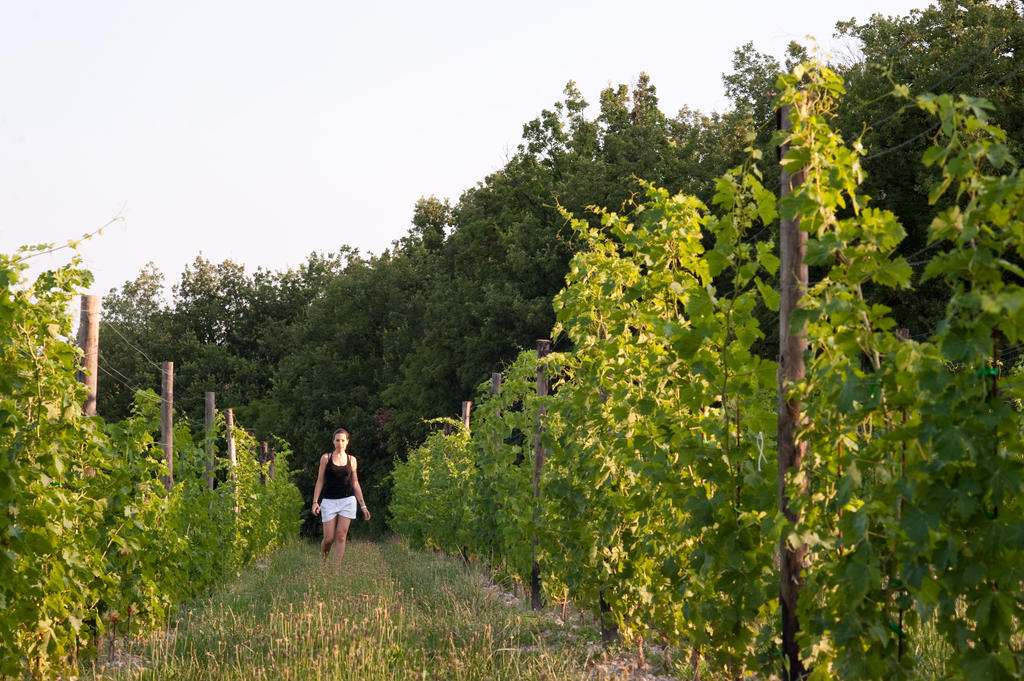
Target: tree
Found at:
x=225, y=331
x=133, y=335
x=971, y=46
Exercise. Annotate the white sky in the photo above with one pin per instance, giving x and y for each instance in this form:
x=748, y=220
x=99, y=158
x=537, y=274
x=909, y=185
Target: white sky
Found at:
x=260, y=131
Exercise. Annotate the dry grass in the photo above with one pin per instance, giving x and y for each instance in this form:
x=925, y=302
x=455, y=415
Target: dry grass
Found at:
x=389, y=614
x=393, y=614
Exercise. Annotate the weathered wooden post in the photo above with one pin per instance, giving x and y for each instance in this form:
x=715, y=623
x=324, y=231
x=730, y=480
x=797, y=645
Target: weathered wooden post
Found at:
x=543, y=348
x=792, y=345
x=467, y=405
x=167, y=420
x=495, y=390
x=89, y=341
x=210, y=422
x=229, y=424
x=264, y=457
x=229, y=418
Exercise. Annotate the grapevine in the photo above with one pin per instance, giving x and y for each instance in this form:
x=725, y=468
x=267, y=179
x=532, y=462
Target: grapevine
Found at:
x=658, y=505
x=90, y=541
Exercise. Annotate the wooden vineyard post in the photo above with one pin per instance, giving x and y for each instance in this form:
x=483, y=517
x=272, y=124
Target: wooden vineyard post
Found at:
x=264, y=458
x=229, y=426
x=467, y=406
x=903, y=336
x=229, y=418
x=543, y=348
x=495, y=391
x=167, y=420
x=89, y=341
x=272, y=460
x=210, y=421
x=792, y=284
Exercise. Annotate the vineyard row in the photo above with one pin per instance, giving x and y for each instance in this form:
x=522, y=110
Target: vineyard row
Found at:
x=95, y=539
x=645, y=485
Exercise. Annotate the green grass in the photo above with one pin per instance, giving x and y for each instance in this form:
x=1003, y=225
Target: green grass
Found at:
x=389, y=614
x=394, y=614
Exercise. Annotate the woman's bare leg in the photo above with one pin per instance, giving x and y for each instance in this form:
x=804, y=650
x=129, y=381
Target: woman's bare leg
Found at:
x=340, y=537
x=329, y=532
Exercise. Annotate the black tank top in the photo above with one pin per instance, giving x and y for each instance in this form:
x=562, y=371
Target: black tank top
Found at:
x=338, y=479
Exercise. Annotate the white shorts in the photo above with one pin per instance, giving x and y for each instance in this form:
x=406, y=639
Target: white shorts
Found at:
x=329, y=508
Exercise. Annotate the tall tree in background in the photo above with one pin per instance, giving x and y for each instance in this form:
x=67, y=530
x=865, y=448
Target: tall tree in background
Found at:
x=379, y=344
x=134, y=337
x=342, y=355
x=226, y=331
x=966, y=46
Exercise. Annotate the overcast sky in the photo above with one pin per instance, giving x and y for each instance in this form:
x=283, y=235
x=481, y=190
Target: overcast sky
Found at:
x=262, y=131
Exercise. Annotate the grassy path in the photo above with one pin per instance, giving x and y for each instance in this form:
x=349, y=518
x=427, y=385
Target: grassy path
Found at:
x=390, y=615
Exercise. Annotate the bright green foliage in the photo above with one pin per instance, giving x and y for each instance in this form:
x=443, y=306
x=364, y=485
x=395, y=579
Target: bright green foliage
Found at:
x=852, y=469
x=501, y=497
x=47, y=527
x=431, y=488
x=267, y=508
x=476, y=494
x=971, y=434
x=90, y=538
x=655, y=497
x=915, y=478
x=380, y=344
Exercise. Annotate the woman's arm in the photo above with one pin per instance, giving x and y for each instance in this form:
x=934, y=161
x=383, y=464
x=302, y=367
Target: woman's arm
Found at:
x=358, y=489
x=319, y=484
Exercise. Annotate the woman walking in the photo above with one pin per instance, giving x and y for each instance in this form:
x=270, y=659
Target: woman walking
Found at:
x=339, y=483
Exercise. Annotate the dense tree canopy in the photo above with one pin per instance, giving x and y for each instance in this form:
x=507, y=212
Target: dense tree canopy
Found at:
x=971, y=47
x=380, y=343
